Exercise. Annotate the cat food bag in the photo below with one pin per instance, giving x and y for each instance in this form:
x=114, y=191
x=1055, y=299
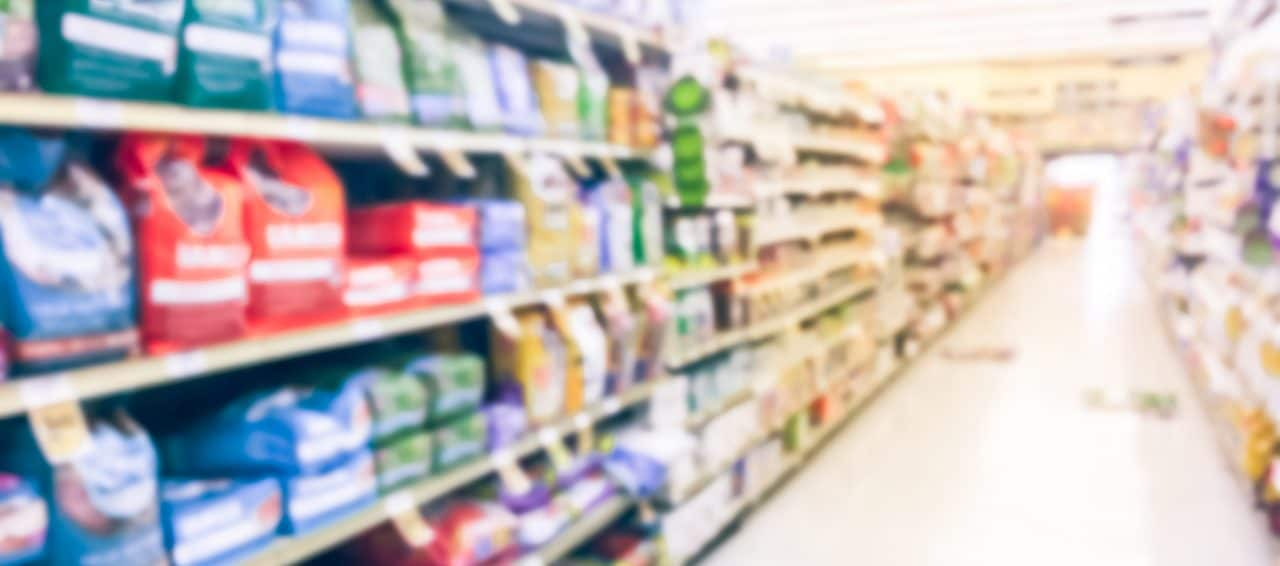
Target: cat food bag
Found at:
x=378, y=284
x=448, y=278
x=397, y=401
x=590, y=340
x=611, y=200
x=67, y=269
x=549, y=196
x=412, y=227
x=188, y=218
x=455, y=383
x=103, y=504
x=317, y=499
x=593, y=102
x=110, y=48
x=483, y=111
x=225, y=54
x=17, y=45
x=402, y=460
x=24, y=521
x=379, y=66
x=209, y=522
x=313, y=72
x=505, y=272
x=295, y=222
x=518, y=100
x=557, y=87
x=501, y=224
x=435, y=92
x=458, y=441
x=534, y=364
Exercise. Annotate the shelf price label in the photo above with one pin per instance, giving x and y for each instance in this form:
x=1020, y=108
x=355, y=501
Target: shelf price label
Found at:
x=586, y=436
x=502, y=317
x=402, y=509
x=610, y=167
x=556, y=450
x=368, y=329
x=506, y=11
x=532, y=560
x=630, y=45
x=509, y=472
x=185, y=364
x=99, y=114
x=57, y=421
x=395, y=141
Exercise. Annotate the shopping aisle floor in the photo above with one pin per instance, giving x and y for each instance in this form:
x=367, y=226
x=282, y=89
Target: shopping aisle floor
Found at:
x=984, y=463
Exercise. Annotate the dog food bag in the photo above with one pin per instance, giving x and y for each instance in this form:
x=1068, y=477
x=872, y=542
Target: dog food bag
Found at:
x=505, y=272
x=379, y=66
x=223, y=521
x=402, y=460
x=313, y=72
x=17, y=45
x=110, y=48
x=549, y=196
x=458, y=441
x=535, y=363
x=25, y=521
x=574, y=360
x=412, y=227
x=590, y=339
x=483, y=110
x=557, y=87
x=295, y=221
x=188, y=219
x=397, y=401
x=103, y=506
x=317, y=499
x=611, y=200
x=378, y=284
x=501, y=224
x=67, y=269
x=518, y=100
x=435, y=92
x=225, y=54
x=448, y=278
x=593, y=102
x=455, y=383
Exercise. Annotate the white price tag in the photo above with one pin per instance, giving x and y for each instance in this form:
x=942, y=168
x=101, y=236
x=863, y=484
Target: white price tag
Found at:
x=574, y=31
x=45, y=391
x=630, y=45
x=514, y=478
x=502, y=317
x=582, y=421
x=300, y=129
x=397, y=503
x=185, y=364
x=368, y=329
x=554, y=298
x=100, y=114
x=396, y=142
x=611, y=406
x=531, y=560
x=505, y=11
x=57, y=421
x=402, y=509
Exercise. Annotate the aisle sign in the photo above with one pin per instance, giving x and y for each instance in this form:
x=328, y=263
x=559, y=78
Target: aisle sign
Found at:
x=402, y=509
x=586, y=436
x=57, y=421
x=505, y=11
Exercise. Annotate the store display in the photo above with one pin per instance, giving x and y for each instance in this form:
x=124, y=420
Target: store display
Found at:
x=224, y=55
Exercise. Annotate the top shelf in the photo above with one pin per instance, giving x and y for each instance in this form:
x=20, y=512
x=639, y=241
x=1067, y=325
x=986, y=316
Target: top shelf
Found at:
x=543, y=25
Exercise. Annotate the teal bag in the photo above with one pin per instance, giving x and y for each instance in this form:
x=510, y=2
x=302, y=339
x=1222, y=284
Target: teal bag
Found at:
x=109, y=48
x=435, y=90
x=380, y=88
x=225, y=54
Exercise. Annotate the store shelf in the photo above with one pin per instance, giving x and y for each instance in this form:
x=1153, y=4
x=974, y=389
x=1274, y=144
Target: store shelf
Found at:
x=541, y=27
x=819, y=186
x=705, y=416
x=703, y=277
x=864, y=151
x=138, y=373
x=582, y=530
x=292, y=550
x=70, y=112
x=778, y=233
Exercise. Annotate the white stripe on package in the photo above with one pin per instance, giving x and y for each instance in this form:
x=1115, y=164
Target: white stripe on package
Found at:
x=118, y=38
x=282, y=270
x=172, y=292
x=223, y=41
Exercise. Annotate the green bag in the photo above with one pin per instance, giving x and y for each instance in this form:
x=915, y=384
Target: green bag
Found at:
x=224, y=58
x=429, y=69
x=458, y=441
x=379, y=66
x=593, y=100
x=403, y=460
x=110, y=48
x=455, y=383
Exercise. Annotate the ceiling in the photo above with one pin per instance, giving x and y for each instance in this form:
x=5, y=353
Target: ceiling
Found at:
x=844, y=37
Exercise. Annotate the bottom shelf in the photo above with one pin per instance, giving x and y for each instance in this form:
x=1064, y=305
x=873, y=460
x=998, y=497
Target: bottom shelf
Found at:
x=582, y=530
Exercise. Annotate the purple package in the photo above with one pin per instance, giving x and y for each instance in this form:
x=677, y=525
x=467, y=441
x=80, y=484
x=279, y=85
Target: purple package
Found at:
x=504, y=271
x=536, y=496
x=588, y=492
x=507, y=423
x=1265, y=189
x=578, y=469
x=501, y=223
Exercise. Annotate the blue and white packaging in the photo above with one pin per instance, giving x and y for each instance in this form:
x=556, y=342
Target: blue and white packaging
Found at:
x=67, y=271
x=611, y=200
x=313, y=500
x=520, y=111
x=312, y=56
x=216, y=522
x=286, y=432
x=505, y=271
x=24, y=520
x=501, y=223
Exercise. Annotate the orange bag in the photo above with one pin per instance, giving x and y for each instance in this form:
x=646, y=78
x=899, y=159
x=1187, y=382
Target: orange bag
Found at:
x=295, y=222
x=192, y=254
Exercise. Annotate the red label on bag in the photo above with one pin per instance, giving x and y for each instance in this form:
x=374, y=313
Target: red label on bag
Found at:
x=412, y=227
x=377, y=284
x=188, y=218
x=448, y=278
x=295, y=223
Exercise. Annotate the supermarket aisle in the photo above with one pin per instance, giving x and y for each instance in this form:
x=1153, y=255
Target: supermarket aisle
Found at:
x=965, y=463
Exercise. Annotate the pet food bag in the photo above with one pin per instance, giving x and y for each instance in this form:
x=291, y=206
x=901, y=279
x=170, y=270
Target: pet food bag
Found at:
x=209, y=522
x=435, y=92
x=103, y=506
x=593, y=103
x=505, y=271
x=313, y=72
x=397, y=401
x=448, y=277
x=17, y=45
x=225, y=54
x=188, y=218
x=534, y=363
x=557, y=87
x=110, y=48
x=549, y=196
x=518, y=100
x=24, y=522
x=593, y=346
x=379, y=66
x=318, y=499
x=67, y=274
x=412, y=227
x=483, y=110
x=611, y=200
x=402, y=460
x=455, y=383
x=378, y=284
x=295, y=222
x=458, y=441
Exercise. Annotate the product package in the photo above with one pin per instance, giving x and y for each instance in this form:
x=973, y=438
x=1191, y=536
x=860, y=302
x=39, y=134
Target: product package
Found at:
x=520, y=108
x=295, y=221
x=505, y=272
x=593, y=103
x=209, y=522
x=313, y=72
x=430, y=73
x=585, y=223
x=611, y=199
x=379, y=66
x=67, y=274
x=416, y=227
x=540, y=525
x=621, y=124
x=622, y=331
x=188, y=219
x=109, y=48
x=549, y=196
x=534, y=364
x=24, y=521
x=378, y=284
x=468, y=533
x=316, y=499
x=557, y=87
x=402, y=460
x=483, y=110
x=448, y=278
x=501, y=224
x=589, y=339
x=103, y=506
x=646, y=217
x=507, y=423
x=17, y=45
x=457, y=441
x=224, y=58
x=455, y=383
x=397, y=401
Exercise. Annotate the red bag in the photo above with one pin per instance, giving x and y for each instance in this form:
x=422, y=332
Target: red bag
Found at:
x=405, y=227
x=448, y=278
x=377, y=284
x=295, y=222
x=192, y=253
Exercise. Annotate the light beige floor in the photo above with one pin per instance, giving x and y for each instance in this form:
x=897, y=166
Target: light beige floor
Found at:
x=984, y=464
